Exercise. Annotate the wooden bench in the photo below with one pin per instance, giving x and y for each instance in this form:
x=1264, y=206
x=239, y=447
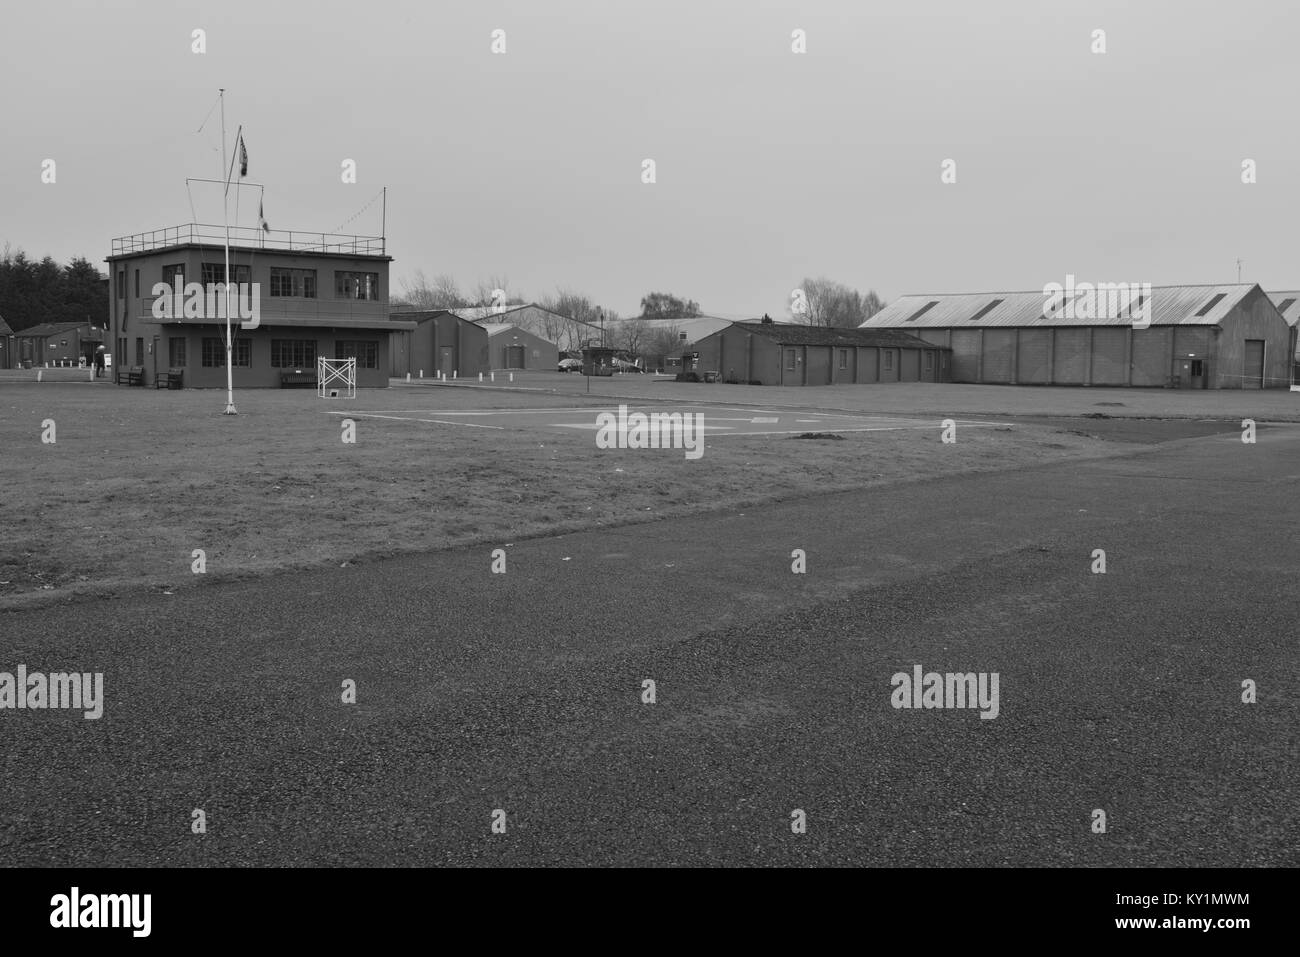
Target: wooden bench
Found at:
x=133, y=376
x=171, y=379
x=297, y=380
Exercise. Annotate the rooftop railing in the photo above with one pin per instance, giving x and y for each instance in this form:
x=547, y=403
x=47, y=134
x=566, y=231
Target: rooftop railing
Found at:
x=249, y=237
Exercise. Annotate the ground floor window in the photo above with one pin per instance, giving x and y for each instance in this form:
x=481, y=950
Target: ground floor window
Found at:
x=1198, y=367
x=214, y=353
x=121, y=350
x=293, y=353
x=176, y=353
x=139, y=350
x=365, y=351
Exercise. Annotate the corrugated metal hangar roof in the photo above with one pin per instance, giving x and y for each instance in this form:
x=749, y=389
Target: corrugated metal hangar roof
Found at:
x=1170, y=306
x=1288, y=303
x=792, y=334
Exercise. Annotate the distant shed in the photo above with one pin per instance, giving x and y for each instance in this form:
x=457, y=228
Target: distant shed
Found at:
x=510, y=347
x=774, y=353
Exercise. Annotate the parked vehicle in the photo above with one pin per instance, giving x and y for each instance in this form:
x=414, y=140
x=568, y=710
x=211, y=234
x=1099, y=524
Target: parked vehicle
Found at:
x=569, y=365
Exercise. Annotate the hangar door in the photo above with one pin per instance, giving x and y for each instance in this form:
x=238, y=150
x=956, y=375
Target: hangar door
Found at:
x=1253, y=374
x=965, y=354
x=999, y=354
x=1108, y=347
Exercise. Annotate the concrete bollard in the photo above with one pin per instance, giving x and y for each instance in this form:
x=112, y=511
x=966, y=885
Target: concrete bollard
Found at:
x=512, y=377
x=39, y=373
x=493, y=375
x=480, y=377
x=453, y=373
x=421, y=373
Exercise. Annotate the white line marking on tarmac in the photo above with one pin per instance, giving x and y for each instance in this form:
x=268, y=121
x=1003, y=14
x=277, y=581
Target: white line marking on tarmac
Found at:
x=401, y=418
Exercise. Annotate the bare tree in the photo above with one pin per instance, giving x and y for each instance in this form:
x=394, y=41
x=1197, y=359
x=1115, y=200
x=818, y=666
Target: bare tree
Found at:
x=485, y=292
x=440, y=293
x=833, y=304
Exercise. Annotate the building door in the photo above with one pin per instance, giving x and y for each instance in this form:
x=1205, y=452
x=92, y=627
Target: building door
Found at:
x=1196, y=374
x=1252, y=377
x=514, y=357
x=446, y=360
x=790, y=368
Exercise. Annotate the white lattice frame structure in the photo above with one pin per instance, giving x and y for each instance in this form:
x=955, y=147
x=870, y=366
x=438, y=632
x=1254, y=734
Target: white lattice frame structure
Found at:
x=341, y=373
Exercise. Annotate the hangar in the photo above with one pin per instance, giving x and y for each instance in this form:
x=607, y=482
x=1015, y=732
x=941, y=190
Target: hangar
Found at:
x=778, y=353
x=1198, y=337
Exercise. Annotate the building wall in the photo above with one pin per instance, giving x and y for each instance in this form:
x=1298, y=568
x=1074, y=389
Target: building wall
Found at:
x=440, y=343
x=1122, y=355
x=747, y=356
x=1253, y=318
x=538, y=353
x=260, y=374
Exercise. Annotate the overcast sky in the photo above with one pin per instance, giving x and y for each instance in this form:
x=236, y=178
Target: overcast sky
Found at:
x=770, y=165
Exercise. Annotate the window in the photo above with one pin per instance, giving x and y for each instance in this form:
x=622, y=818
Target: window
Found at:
x=216, y=272
x=137, y=284
x=922, y=311
x=139, y=350
x=293, y=353
x=1214, y=301
x=121, y=284
x=169, y=274
x=844, y=358
x=986, y=310
x=365, y=351
x=176, y=353
x=681, y=337
x=356, y=285
x=1198, y=367
x=293, y=282
x=214, y=353
x=889, y=360
x=121, y=349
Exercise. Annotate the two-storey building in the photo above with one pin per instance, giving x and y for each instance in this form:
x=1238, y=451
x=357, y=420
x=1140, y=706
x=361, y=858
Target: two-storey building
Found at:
x=317, y=294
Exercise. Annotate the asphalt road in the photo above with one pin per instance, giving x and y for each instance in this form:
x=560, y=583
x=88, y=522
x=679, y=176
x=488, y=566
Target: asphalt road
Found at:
x=523, y=691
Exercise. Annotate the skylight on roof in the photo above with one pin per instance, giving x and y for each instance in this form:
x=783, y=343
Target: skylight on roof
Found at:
x=1285, y=304
x=922, y=311
x=1214, y=301
x=986, y=310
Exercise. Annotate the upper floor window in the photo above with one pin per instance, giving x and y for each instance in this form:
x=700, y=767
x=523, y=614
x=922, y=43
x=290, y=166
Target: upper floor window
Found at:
x=170, y=274
x=356, y=285
x=293, y=282
x=216, y=273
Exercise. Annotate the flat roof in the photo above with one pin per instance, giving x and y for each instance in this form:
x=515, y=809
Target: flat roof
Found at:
x=295, y=322
x=249, y=238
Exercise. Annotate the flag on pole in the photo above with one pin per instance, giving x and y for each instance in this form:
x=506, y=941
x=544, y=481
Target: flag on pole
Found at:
x=261, y=219
x=243, y=157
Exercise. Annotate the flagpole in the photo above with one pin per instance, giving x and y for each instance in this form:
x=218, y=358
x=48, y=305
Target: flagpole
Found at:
x=225, y=217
